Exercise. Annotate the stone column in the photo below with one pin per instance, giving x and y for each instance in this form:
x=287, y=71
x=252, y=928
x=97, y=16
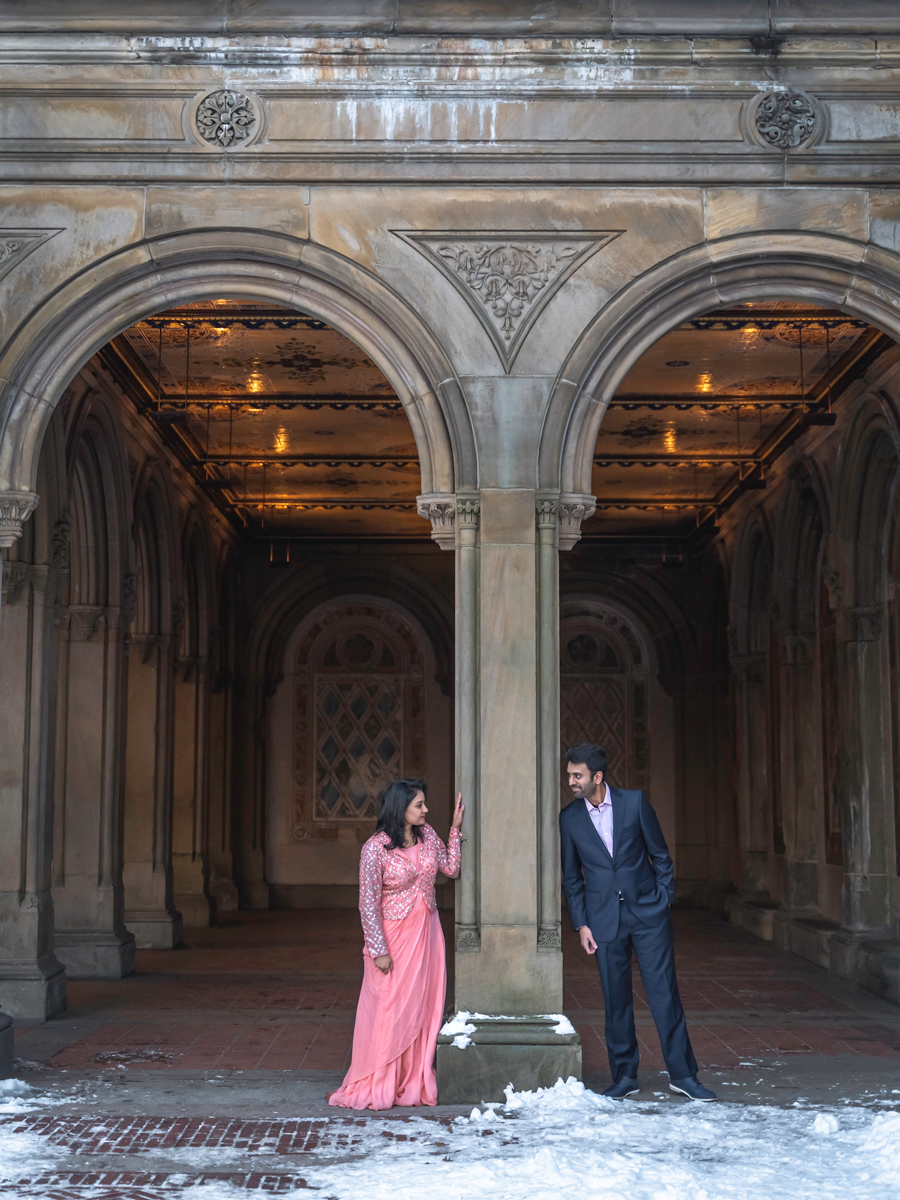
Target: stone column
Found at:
x=32, y=980
x=150, y=911
x=189, y=810
x=508, y=964
x=801, y=773
x=751, y=713
x=862, y=784
x=91, y=938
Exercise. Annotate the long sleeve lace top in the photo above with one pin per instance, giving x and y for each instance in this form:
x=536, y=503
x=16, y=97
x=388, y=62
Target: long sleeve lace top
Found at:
x=390, y=883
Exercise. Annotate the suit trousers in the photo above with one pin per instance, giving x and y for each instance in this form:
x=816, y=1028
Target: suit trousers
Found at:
x=656, y=958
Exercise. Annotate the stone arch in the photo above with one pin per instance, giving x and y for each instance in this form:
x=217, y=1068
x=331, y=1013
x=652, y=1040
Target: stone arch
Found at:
x=156, y=560
x=866, y=487
x=822, y=269
x=84, y=314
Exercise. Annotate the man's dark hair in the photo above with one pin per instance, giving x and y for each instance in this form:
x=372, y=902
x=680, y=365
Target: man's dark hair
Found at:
x=594, y=757
x=397, y=799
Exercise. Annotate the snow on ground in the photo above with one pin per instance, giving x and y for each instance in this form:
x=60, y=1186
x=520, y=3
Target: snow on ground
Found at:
x=567, y=1141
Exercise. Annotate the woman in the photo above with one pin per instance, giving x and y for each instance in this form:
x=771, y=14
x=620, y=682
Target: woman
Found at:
x=401, y=1003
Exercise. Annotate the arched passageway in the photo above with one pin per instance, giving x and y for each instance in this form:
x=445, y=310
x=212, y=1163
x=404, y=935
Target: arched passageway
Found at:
x=217, y=481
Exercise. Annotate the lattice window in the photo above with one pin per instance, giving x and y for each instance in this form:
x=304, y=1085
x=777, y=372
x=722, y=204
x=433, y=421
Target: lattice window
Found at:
x=359, y=743
x=358, y=716
x=603, y=694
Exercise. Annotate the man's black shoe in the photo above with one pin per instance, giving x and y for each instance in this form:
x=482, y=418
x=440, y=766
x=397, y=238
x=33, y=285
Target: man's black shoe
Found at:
x=625, y=1086
x=692, y=1088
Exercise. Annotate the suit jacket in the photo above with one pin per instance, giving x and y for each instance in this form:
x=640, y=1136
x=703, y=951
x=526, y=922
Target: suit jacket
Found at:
x=639, y=867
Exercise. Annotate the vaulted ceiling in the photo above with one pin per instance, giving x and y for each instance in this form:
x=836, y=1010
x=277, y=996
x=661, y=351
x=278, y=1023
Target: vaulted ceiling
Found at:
x=297, y=434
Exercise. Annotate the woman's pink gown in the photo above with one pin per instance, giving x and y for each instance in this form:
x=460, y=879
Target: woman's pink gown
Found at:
x=399, y=1014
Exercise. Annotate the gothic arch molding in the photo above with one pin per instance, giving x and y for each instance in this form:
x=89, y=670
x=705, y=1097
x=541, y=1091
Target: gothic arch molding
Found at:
x=61, y=335
x=859, y=279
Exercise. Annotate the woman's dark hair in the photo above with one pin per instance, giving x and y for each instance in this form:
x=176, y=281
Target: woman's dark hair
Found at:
x=594, y=757
x=396, y=801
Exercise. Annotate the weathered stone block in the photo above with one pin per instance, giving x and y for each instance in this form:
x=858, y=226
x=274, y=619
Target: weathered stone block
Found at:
x=522, y=1051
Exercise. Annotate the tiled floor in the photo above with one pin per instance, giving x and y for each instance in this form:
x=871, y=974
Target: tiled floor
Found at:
x=227, y=1047
x=277, y=991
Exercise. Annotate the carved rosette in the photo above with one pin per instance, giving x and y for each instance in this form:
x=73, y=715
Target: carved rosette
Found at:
x=786, y=120
x=440, y=510
x=15, y=509
x=227, y=119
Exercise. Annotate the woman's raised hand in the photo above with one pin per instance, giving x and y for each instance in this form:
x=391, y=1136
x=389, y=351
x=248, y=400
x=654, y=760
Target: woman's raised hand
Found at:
x=458, y=812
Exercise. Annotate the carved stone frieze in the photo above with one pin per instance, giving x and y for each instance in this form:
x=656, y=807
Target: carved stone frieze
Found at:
x=507, y=278
x=16, y=244
x=440, y=510
x=15, y=509
x=786, y=120
x=226, y=118
x=572, y=511
x=59, y=544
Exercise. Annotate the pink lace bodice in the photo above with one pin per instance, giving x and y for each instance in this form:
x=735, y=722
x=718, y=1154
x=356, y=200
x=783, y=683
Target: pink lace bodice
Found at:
x=390, y=883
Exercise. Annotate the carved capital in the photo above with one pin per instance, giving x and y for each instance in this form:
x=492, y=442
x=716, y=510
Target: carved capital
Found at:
x=547, y=513
x=15, y=509
x=831, y=577
x=549, y=938
x=86, y=620
x=468, y=939
x=440, y=510
x=864, y=623
x=571, y=512
x=468, y=513
x=15, y=583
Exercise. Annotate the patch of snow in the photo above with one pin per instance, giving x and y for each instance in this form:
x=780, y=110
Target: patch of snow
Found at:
x=826, y=1123
x=563, y=1024
x=555, y=1142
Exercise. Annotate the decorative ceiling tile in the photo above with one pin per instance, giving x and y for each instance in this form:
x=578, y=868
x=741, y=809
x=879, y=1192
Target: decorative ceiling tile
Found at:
x=16, y=244
x=507, y=279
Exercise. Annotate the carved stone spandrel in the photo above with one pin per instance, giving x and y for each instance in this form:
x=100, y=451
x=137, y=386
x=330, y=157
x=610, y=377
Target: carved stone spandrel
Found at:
x=507, y=278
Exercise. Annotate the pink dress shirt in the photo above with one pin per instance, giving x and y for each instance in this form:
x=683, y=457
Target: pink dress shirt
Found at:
x=391, y=882
x=602, y=817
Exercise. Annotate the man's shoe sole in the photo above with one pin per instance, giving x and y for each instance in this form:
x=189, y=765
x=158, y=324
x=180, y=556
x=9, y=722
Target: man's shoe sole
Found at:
x=625, y=1095
x=696, y=1099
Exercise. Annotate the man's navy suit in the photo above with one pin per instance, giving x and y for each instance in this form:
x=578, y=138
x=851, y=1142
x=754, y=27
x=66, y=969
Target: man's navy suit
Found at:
x=624, y=899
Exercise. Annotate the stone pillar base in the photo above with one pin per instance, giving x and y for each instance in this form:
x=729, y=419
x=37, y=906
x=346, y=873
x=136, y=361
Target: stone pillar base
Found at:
x=197, y=911
x=94, y=953
x=31, y=993
x=522, y=1051
x=7, y=1050
x=154, y=930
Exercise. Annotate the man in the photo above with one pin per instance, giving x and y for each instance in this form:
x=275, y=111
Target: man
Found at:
x=618, y=881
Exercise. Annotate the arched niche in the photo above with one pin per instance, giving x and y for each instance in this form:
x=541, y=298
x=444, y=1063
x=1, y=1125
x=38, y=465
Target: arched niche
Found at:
x=358, y=706
x=610, y=693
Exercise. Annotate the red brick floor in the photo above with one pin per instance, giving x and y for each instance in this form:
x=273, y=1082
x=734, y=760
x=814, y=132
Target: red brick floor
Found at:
x=276, y=991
